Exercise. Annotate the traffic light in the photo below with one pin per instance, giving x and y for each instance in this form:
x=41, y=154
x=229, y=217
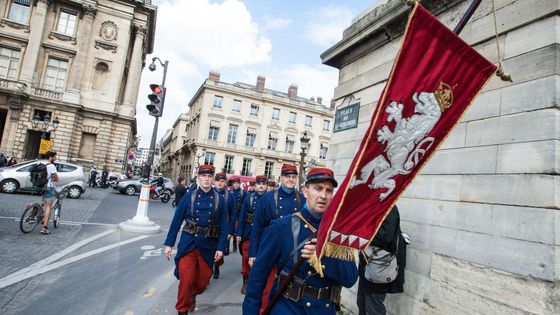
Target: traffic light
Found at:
x=157, y=99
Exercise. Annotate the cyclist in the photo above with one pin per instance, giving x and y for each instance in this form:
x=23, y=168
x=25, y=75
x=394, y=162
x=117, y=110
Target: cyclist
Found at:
x=49, y=195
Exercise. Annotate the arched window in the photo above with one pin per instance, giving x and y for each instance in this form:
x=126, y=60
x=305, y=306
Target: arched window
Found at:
x=100, y=76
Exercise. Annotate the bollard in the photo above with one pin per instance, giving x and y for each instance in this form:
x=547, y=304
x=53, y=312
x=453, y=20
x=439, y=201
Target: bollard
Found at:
x=140, y=223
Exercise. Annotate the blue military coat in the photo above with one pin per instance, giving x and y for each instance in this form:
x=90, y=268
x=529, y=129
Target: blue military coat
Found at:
x=277, y=243
x=230, y=207
x=249, y=206
x=204, y=214
x=237, y=194
x=267, y=211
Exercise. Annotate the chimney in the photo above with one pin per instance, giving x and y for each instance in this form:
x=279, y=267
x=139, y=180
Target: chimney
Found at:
x=214, y=75
x=320, y=100
x=292, y=91
x=313, y=99
x=260, y=83
x=333, y=104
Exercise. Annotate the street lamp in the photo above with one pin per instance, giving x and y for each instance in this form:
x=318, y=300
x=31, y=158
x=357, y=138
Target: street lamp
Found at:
x=45, y=122
x=198, y=156
x=152, y=67
x=304, y=141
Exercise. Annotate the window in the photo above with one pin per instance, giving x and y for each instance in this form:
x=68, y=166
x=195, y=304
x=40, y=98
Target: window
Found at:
x=308, y=120
x=326, y=125
x=9, y=59
x=236, y=106
x=87, y=146
x=228, y=164
x=276, y=113
x=232, y=134
x=251, y=136
x=323, y=151
x=209, y=158
x=254, y=110
x=19, y=11
x=292, y=118
x=66, y=23
x=55, y=74
x=214, y=129
x=65, y=168
x=268, y=166
x=218, y=101
x=272, y=140
x=289, y=144
x=246, y=170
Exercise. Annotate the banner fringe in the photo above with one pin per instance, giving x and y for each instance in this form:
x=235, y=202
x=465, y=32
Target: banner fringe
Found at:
x=336, y=251
x=315, y=262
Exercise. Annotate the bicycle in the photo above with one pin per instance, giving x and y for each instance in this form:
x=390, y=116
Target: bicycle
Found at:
x=34, y=212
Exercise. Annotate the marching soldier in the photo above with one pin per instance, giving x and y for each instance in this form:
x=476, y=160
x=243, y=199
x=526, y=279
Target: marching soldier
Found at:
x=203, y=238
x=271, y=185
x=251, y=188
x=238, y=197
x=220, y=182
x=245, y=223
x=275, y=204
x=307, y=292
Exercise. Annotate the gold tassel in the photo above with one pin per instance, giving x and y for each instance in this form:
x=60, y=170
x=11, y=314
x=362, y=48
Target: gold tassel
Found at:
x=503, y=75
x=316, y=264
x=334, y=251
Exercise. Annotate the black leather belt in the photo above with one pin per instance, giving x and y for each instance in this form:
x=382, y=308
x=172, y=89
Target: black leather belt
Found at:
x=249, y=217
x=192, y=228
x=298, y=288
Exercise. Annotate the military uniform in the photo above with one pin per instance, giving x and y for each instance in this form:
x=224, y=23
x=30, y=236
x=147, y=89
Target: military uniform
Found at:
x=204, y=232
x=278, y=241
x=229, y=199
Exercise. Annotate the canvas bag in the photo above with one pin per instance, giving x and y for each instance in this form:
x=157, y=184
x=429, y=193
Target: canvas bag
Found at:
x=382, y=265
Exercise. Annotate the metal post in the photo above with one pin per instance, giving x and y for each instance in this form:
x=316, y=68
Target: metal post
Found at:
x=301, y=170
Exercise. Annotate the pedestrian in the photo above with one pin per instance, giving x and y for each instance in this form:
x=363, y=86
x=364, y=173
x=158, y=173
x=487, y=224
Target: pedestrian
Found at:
x=93, y=176
x=371, y=296
x=238, y=197
x=180, y=190
x=12, y=161
x=244, y=225
x=3, y=161
x=104, y=177
x=275, y=204
x=203, y=239
x=308, y=292
x=220, y=182
x=49, y=195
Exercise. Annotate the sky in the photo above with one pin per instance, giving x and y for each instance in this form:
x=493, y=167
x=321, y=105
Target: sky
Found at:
x=241, y=39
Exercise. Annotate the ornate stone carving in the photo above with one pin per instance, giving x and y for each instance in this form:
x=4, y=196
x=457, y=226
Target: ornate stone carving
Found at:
x=89, y=10
x=108, y=31
x=63, y=37
x=140, y=30
x=106, y=46
x=15, y=25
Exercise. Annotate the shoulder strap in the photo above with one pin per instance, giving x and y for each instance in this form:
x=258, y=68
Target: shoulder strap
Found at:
x=296, y=247
x=311, y=227
x=193, y=197
x=226, y=195
x=251, y=200
x=276, y=202
x=298, y=199
x=216, y=200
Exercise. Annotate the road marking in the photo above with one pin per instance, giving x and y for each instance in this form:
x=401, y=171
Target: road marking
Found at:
x=17, y=219
x=29, y=272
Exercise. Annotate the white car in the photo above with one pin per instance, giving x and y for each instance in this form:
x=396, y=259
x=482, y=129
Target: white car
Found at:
x=16, y=178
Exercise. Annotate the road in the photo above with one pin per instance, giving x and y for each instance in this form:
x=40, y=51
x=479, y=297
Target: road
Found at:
x=89, y=266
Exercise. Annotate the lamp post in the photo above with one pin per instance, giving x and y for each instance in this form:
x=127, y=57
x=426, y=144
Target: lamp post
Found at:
x=152, y=67
x=198, y=156
x=304, y=141
x=45, y=122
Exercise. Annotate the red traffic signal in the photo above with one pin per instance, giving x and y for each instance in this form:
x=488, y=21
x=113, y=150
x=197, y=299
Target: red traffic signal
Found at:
x=156, y=100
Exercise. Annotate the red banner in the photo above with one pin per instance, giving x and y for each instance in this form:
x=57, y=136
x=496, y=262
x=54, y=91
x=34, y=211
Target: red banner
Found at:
x=434, y=79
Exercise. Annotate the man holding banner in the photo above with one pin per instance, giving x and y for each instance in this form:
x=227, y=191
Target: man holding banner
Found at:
x=434, y=79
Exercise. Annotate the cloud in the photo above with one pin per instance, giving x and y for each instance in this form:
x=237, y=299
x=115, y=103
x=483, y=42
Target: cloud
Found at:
x=326, y=26
x=212, y=34
x=312, y=81
x=275, y=24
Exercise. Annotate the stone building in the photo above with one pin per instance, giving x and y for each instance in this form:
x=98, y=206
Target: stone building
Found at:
x=484, y=214
x=247, y=130
x=74, y=65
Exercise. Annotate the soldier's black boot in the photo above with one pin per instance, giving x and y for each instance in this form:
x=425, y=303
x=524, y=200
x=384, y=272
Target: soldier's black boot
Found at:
x=182, y=313
x=244, y=286
x=216, y=273
x=234, y=245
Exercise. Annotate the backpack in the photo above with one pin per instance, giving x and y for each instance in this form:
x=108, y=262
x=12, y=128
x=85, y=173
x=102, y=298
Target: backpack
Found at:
x=39, y=175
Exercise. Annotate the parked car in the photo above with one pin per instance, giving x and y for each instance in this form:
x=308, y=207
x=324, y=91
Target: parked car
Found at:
x=16, y=178
x=132, y=186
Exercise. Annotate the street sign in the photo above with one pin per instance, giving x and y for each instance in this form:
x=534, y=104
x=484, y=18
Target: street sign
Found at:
x=131, y=155
x=346, y=117
x=46, y=145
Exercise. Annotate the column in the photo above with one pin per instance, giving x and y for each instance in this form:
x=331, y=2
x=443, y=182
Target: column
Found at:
x=37, y=26
x=83, y=42
x=134, y=71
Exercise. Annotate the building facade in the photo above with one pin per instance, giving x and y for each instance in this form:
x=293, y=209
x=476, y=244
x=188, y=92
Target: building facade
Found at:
x=69, y=73
x=247, y=130
x=483, y=215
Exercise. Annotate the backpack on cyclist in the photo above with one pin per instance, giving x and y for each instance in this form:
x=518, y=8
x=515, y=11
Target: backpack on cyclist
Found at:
x=39, y=176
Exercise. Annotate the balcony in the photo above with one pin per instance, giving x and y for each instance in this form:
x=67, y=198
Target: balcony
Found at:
x=47, y=94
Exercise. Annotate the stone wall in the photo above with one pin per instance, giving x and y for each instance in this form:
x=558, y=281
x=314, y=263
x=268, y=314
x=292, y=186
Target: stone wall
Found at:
x=484, y=214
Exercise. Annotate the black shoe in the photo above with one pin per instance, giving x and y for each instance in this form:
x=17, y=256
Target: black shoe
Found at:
x=216, y=273
x=244, y=286
x=182, y=313
x=234, y=246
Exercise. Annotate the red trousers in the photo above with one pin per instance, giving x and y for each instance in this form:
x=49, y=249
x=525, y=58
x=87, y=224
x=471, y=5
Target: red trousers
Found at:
x=266, y=292
x=245, y=268
x=194, y=276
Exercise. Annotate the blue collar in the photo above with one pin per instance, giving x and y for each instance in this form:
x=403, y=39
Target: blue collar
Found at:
x=309, y=216
x=201, y=192
x=286, y=190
